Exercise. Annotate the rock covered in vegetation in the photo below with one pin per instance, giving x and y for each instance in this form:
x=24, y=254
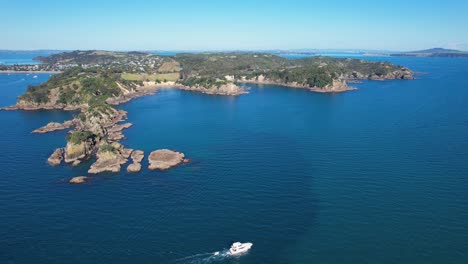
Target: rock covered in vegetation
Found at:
x=80, y=146
x=164, y=159
x=56, y=158
x=79, y=180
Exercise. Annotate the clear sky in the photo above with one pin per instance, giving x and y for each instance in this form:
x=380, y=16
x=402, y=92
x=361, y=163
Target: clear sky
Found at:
x=235, y=24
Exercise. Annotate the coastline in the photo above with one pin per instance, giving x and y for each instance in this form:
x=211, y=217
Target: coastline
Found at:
x=337, y=86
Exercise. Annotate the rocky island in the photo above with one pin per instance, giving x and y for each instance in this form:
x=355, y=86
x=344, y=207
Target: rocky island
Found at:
x=93, y=82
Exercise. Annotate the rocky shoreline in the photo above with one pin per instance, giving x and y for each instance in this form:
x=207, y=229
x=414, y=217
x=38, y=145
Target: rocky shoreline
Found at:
x=336, y=87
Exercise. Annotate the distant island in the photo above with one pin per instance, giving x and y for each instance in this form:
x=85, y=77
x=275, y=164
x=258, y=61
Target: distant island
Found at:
x=435, y=52
x=92, y=82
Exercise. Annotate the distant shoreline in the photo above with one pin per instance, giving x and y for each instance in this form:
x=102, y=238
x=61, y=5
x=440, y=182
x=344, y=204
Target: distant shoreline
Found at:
x=39, y=72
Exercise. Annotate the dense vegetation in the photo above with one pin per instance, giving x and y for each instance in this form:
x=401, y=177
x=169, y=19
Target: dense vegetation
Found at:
x=218, y=65
x=76, y=86
x=79, y=136
x=212, y=69
x=107, y=148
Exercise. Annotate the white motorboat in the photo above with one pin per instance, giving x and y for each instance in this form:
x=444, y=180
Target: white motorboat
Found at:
x=239, y=248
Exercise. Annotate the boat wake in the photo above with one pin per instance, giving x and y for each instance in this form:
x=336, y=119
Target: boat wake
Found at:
x=214, y=257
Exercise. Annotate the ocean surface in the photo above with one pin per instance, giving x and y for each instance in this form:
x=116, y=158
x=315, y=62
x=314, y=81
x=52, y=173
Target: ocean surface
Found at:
x=377, y=175
x=8, y=57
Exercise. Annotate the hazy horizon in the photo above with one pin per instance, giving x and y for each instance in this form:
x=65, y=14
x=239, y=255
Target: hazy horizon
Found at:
x=227, y=50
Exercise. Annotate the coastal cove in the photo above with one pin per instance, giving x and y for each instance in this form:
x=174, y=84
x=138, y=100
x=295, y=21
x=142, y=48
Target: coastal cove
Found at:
x=94, y=81
x=319, y=177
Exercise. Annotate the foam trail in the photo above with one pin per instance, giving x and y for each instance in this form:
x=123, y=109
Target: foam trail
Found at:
x=204, y=258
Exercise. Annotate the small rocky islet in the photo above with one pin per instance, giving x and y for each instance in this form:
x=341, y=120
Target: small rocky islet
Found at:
x=79, y=179
x=94, y=82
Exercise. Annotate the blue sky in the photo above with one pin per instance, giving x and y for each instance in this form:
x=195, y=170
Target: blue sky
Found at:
x=236, y=24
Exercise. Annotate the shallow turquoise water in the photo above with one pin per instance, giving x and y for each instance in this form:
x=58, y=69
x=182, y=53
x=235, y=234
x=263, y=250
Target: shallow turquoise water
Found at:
x=377, y=175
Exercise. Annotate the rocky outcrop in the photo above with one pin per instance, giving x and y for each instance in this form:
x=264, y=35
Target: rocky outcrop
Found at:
x=79, y=179
x=53, y=126
x=134, y=167
x=226, y=89
x=125, y=152
x=78, y=152
x=336, y=87
x=99, y=122
x=164, y=159
x=56, y=158
x=137, y=156
x=108, y=161
x=114, y=133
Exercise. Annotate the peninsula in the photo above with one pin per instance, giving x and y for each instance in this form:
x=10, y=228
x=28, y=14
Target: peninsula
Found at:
x=93, y=82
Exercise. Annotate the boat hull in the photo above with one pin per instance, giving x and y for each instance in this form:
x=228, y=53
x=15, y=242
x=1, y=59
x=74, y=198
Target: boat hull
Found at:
x=241, y=250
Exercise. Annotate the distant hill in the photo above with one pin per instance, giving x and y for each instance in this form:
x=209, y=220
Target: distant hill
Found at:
x=434, y=52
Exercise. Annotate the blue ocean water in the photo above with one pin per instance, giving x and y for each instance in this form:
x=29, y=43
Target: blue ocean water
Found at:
x=22, y=57
x=377, y=175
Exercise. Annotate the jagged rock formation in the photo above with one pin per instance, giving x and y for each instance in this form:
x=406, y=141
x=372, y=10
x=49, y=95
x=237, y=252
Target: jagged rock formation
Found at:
x=114, y=133
x=56, y=158
x=78, y=152
x=137, y=156
x=53, y=126
x=110, y=159
x=164, y=159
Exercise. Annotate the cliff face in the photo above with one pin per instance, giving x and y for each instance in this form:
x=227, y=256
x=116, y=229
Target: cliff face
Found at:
x=337, y=85
x=75, y=153
x=225, y=89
